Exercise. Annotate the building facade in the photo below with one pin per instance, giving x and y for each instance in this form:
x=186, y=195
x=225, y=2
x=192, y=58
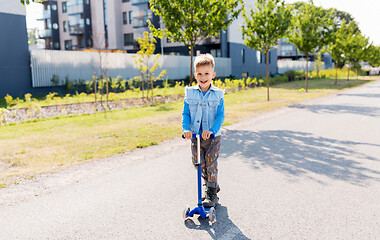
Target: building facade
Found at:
x=116, y=24
x=287, y=50
x=15, y=76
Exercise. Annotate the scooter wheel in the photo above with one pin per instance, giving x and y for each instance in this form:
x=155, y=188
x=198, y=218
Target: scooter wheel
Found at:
x=186, y=213
x=212, y=215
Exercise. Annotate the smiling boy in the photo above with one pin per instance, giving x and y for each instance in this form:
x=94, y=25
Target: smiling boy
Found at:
x=203, y=114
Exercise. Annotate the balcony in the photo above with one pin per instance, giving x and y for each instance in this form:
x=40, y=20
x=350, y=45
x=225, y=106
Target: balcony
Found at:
x=76, y=29
x=46, y=14
x=73, y=9
x=136, y=2
x=140, y=21
x=211, y=40
x=44, y=33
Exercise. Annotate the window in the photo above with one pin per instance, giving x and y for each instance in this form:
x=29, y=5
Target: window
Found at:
x=68, y=45
x=258, y=56
x=243, y=56
x=125, y=21
x=128, y=39
x=54, y=7
x=125, y=0
x=130, y=17
x=64, y=7
x=64, y=26
x=216, y=52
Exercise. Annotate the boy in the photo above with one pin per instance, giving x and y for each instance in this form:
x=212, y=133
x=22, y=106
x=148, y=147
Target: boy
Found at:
x=203, y=114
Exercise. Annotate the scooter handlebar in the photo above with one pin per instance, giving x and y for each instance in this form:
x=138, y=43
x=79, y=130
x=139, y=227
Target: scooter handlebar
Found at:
x=212, y=136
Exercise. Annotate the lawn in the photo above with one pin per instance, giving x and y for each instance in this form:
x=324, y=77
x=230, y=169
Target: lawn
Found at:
x=43, y=146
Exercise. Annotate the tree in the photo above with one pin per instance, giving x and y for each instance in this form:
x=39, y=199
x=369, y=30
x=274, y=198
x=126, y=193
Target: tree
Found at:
x=264, y=25
x=32, y=37
x=23, y=2
x=356, y=50
x=311, y=30
x=189, y=22
x=337, y=47
x=373, y=56
x=146, y=64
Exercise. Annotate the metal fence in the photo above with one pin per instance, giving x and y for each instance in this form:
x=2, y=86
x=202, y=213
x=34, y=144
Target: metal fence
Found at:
x=82, y=65
x=286, y=65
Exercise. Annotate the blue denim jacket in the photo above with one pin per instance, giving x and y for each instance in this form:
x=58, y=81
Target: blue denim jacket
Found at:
x=203, y=109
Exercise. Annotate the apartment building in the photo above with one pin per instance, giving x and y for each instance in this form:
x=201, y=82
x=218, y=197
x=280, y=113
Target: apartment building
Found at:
x=100, y=24
x=115, y=24
x=287, y=50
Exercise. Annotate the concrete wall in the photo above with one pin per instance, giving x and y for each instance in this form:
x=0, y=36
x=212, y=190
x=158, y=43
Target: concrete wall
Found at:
x=15, y=76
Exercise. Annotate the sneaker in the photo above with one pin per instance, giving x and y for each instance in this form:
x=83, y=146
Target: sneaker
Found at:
x=212, y=198
x=205, y=193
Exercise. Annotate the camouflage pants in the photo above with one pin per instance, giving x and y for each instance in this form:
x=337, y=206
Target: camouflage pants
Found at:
x=210, y=149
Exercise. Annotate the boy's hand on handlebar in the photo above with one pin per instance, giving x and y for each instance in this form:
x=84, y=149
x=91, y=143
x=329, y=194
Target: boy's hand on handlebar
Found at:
x=188, y=134
x=206, y=134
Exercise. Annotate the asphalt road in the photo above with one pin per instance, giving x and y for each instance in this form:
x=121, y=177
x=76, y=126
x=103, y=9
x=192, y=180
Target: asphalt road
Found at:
x=308, y=171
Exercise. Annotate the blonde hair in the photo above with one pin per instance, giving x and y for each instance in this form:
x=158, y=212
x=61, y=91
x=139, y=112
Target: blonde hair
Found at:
x=204, y=60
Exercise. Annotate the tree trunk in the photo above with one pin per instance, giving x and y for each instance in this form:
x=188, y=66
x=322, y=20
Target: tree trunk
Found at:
x=357, y=75
x=336, y=75
x=107, y=87
x=348, y=73
x=266, y=61
x=142, y=85
x=151, y=83
x=95, y=89
x=191, y=64
x=101, y=90
x=307, y=71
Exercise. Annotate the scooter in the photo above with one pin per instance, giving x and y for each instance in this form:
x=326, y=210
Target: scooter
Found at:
x=204, y=212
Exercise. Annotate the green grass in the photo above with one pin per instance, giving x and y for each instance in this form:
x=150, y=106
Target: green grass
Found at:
x=83, y=97
x=42, y=146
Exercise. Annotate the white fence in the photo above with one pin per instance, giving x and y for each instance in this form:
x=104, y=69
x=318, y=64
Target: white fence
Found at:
x=83, y=65
x=286, y=65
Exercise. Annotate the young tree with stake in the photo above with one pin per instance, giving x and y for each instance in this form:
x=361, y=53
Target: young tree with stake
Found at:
x=264, y=25
x=311, y=30
x=189, y=22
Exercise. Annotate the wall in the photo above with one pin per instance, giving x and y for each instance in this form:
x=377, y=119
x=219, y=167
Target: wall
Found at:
x=15, y=78
x=251, y=66
x=286, y=65
x=83, y=65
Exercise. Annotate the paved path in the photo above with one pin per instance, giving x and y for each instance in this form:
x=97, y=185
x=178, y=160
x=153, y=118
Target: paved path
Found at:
x=309, y=171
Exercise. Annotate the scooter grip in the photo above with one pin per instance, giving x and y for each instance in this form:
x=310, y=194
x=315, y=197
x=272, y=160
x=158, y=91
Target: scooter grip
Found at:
x=212, y=136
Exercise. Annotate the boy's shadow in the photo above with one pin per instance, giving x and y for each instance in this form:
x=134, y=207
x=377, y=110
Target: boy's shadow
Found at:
x=223, y=227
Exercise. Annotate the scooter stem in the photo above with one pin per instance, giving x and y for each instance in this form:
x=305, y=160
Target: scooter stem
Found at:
x=199, y=170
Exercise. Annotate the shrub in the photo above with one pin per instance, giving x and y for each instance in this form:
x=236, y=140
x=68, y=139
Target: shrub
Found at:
x=50, y=96
x=69, y=85
x=28, y=97
x=8, y=100
x=89, y=86
x=122, y=85
x=115, y=83
x=55, y=80
x=291, y=75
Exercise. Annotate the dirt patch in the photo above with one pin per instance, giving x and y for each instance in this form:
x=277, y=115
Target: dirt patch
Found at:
x=3, y=166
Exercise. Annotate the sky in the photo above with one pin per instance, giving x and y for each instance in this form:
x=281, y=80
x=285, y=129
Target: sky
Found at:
x=365, y=12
